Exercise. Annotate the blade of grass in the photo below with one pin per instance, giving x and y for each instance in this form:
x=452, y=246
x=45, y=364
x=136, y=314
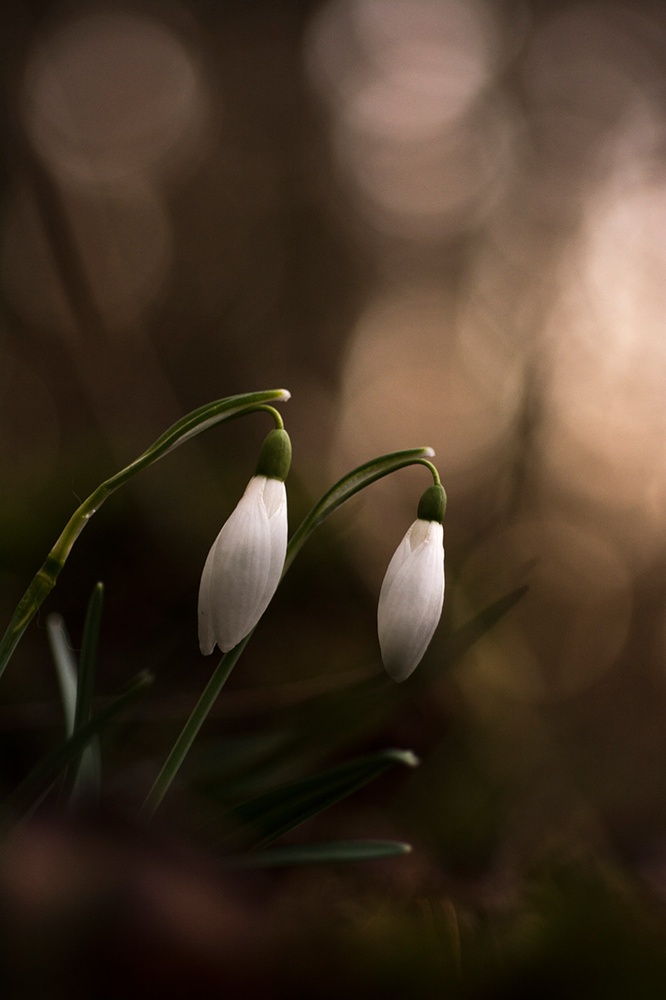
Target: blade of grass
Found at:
x=65, y=665
x=263, y=819
x=83, y=773
x=324, y=853
x=47, y=770
x=87, y=667
x=461, y=641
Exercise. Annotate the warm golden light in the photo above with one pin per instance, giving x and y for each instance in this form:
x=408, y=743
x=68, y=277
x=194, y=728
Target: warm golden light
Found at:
x=580, y=592
x=603, y=439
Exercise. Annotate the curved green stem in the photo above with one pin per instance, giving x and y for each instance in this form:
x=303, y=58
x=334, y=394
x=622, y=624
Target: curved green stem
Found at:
x=276, y=415
x=190, y=730
x=188, y=427
x=434, y=471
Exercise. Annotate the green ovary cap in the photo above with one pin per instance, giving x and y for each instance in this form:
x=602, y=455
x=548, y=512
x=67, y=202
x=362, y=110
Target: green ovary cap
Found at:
x=432, y=505
x=275, y=456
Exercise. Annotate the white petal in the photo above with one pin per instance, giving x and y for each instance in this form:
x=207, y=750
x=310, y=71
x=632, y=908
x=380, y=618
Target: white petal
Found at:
x=411, y=598
x=206, y=633
x=275, y=501
x=244, y=565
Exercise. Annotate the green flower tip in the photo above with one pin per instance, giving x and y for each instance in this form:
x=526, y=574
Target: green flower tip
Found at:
x=275, y=456
x=432, y=505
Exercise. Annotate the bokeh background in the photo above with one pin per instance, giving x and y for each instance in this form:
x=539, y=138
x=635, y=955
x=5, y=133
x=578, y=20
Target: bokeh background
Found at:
x=436, y=222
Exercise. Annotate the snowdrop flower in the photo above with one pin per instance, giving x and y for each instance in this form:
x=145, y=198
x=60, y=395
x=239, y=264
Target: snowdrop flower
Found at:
x=412, y=594
x=245, y=563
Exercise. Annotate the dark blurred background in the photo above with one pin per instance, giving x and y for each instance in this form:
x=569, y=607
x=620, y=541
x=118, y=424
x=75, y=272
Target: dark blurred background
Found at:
x=434, y=221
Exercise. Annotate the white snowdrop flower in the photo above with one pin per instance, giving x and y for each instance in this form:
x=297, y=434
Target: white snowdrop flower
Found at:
x=246, y=560
x=412, y=594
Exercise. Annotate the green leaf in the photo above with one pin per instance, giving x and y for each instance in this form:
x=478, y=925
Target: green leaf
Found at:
x=38, y=781
x=459, y=642
x=263, y=819
x=87, y=667
x=346, y=487
x=197, y=421
x=84, y=772
x=65, y=665
x=324, y=853
x=188, y=427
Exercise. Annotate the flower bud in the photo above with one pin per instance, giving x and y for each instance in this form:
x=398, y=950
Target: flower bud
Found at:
x=412, y=594
x=246, y=560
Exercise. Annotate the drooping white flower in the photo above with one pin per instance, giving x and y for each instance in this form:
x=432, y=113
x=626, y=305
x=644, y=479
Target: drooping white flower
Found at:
x=412, y=596
x=244, y=565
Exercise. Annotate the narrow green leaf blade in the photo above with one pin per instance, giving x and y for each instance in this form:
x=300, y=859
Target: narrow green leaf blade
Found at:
x=45, y=772
x=460, y=641
x=65, y=665
x=263, y=819
x=84, y=772
x=324, y=853
x=88, y=663
x=194, y=423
